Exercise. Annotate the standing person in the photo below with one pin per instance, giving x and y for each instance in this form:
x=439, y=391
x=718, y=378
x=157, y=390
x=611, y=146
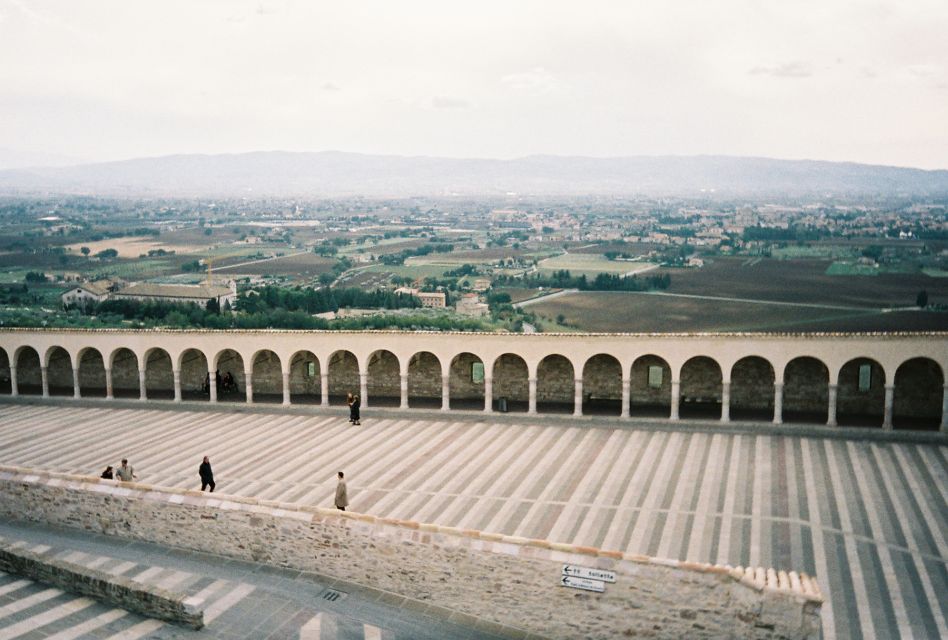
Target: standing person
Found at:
x=126, y=472
x=107, y=474
x=349, y=401
x=207, y=475
x=342, y=495
x=354, y=410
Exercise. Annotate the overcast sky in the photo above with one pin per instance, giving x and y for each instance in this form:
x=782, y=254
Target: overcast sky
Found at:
x=822, y=79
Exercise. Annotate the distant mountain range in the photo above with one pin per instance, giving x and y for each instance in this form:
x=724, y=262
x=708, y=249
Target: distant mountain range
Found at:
x=334, y=174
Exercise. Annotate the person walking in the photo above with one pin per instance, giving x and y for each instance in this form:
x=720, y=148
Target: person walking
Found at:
x=107, y=474
x=126, y=472
x=354, y=410
x=342, y=494
x=207, y=475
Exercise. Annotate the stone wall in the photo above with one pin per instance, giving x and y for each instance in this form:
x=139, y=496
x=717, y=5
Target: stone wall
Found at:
x=640, y=390
x=424, y=376
x=602, y=378
x=701, y=380
x=300, y=381
x=555, y=380
x=343, y=374
x=851, y=400
x=117, y=591
x=463, y=386
x=508, y=580
x=920, y=383
x=752, y=384
x=267, y=374
x=511, y=379
x=806, y=386
x=384, y=376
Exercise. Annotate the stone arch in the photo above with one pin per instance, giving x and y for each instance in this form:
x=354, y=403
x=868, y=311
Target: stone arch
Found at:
x=602, y=385
x=230, y=361
x=424, y=380
x=193, y=369
x=267, y=376
x=343, y=368
x=29, y=376
x=6, y=383
x=466, y=381
x=91, y=373
x=806, y=390
x=752, y=389
x=701, y=386
x=510, y=382
x=555, y=384
x=59, y=372
x=650, y=387
x=919, y=389
x=124, y=365
x=159, y=375
x=305, y=378
x=384, y=382
x=856, y=406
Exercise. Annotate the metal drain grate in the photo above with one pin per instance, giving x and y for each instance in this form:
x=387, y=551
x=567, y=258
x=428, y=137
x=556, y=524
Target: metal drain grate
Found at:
x=333, y=596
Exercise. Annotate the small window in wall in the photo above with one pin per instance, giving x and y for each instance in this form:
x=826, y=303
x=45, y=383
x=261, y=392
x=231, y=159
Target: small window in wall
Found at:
x=655, y=376
x=865, y=377
x=477, y=373
x=310, y=369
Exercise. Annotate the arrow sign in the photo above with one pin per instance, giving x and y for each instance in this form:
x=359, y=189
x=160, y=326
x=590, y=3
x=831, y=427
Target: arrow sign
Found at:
x=588, y=572
x=583, y=583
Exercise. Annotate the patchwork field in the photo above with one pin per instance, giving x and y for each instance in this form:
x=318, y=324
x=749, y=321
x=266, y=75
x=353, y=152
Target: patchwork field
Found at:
x=132, y=247
x=648, y=312
x=302, y=266
x=590, y=264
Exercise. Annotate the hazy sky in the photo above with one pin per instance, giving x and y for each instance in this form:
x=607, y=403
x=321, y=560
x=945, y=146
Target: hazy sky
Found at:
x=824, y=79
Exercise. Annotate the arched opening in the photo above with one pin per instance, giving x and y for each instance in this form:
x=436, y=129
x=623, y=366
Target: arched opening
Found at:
x=510, y=383
x=805, y=391
x=91, y=374
x=305, y=378
x=701, y=380
x=602, y=385
x=860, y=399
x=125, y=383
x=343, y=376
x=159, y=375
x=29, y=375
x=6, y=383
x=650, y=387
x=555, y=385
x=267, y=376
x=383, y=386
x=231, y=380
x=194, y=378
x=424, y=381
x=752, y=389
x=59, y=372
x=466, y=380
x=918, y=395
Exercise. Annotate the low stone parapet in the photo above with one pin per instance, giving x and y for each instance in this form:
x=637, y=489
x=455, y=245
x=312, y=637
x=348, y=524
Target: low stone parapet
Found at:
x=511, y=581
x=118, y=591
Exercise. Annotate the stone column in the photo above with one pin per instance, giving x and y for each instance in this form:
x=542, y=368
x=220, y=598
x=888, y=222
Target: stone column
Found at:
x=488, y=395
x=578, y=397
x=944, y=407
x=14, y=390
x=248, y=383
x=675, y=399
x=403, y=387
x=889, y=400
x=286, y=388
x=324, y=389
x=778, y=403
x=831, y=411
x=212, y=385
x=75, y=383
x=532, y=405
x=364, y=389
x=725, y=402
x=177, y=384
x=109, y=388
x=445, y=393
x=626, y=397
x=142, y=392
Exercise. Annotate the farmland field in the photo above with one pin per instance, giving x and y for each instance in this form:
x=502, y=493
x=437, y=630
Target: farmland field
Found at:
x=589, y=264
x=132, y=247
x=645, y=312
x=418, y=271
x=803, y=281
x=302, y=266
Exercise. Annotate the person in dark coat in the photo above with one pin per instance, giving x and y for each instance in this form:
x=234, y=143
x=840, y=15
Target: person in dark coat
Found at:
x=354, y=410
x=207, y=475
x=107, y=474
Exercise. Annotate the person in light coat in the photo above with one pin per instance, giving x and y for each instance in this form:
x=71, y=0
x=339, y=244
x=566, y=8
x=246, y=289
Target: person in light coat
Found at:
x=342, y=494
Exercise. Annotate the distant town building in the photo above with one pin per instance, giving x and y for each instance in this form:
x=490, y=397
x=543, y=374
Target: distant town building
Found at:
x=197, y=293
x=481, y=284
x=470, y=305
x=433, y=299
x=86, y=293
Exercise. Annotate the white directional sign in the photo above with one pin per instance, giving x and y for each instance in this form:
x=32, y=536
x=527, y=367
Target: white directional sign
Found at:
x=587, y=572
x=583, y=583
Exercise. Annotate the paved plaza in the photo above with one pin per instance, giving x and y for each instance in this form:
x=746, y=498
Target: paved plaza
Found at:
x=868, y=518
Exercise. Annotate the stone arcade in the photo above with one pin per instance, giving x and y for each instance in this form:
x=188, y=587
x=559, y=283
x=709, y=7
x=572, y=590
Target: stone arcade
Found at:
x=888, y=380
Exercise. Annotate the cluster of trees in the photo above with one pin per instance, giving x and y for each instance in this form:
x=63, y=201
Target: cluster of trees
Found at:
x=401, y=256
x=311, y=301
x=563, y=279
x=17, y=294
